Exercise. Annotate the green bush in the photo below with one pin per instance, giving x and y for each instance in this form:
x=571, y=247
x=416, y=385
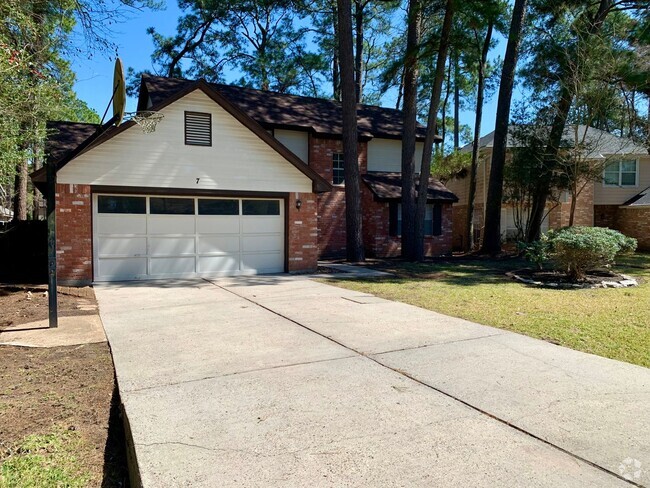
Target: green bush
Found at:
x=537, y=252
x=577, y=250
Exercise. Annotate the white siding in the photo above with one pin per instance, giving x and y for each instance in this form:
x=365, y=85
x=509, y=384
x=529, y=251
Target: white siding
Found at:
x=386, y=155
x=237, y=160
x=296, y=141
x=610, y=195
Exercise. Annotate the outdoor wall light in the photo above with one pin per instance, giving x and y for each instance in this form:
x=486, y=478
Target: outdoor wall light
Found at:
x=298, y=204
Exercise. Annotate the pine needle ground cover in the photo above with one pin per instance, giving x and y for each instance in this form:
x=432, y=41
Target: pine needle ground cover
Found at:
x=611, y=322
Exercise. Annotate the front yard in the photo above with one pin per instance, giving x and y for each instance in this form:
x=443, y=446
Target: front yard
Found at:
x=614, y=323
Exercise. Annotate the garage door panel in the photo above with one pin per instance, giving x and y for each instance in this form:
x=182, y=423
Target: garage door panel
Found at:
x=217, y=224
x=172, y=266
x=122, y=269
x=171, y=224
x=218, y=264
x=121, y=246
x=171, y=246
x=121, y=224
x=272, y=262
x=267, y=242
x=260, y=225
x=218, y=244
x=215, y=240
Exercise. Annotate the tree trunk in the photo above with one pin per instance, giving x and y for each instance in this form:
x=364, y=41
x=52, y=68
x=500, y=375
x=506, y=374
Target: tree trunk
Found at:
x=492, y=236
x=443, y=113
x=480, y=96
x=20, y=191
x=563, y=106
x=410, y=125
x=358, y=52
x=456, y=102
x=432, y=122
x=353, y=226
x=336, y=73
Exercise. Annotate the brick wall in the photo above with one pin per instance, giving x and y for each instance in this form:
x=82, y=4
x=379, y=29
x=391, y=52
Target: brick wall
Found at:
x=584, y=211
x=331, y=206
x=303, y=233
x=459, y=218
x=74, y=234
x=605, y=216
x=635, y=222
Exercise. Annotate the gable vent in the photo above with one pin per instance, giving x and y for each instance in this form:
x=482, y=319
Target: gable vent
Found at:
x=198, y=129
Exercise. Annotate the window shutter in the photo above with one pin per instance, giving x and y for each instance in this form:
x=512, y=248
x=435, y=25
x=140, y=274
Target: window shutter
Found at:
x=198, y=129
x=392, y=218
x=437, y=219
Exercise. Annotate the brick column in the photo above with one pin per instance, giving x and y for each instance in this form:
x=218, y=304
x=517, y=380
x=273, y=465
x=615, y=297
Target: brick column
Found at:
x=74, y=240
x=303, y=233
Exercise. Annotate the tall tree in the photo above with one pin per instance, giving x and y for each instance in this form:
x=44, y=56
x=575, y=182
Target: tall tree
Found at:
x=410, y=87
x=432, y=123
x=492, y=235
x=468, y=240
x=354, y=234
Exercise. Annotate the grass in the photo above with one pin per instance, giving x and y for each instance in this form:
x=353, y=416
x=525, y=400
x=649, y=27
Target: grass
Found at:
x=612, y=322
x=44, y=460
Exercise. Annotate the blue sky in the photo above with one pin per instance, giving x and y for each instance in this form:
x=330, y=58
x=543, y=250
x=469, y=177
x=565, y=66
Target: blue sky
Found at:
x=134, y=46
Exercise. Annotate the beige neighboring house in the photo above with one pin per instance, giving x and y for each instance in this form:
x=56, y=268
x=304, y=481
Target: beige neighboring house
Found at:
x=620, y=200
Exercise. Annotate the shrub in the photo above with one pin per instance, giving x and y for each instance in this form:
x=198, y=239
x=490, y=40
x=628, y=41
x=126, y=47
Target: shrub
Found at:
x=576, y=250
x=537, y=252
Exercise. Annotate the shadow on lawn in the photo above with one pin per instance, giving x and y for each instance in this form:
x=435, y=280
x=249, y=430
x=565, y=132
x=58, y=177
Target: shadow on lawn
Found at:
x=462, y=271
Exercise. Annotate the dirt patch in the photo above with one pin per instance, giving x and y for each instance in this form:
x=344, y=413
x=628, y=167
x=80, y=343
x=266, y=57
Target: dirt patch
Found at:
x=72, y=388
x=22, y=305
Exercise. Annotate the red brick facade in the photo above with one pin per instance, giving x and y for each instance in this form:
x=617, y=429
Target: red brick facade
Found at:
x=303, y=233
x=376, y=236
x=635, y=222
x=74, y=242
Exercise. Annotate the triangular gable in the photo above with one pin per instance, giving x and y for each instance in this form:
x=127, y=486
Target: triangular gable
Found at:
x=319, y=184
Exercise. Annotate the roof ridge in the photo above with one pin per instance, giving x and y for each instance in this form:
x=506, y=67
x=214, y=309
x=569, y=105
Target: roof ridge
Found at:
x=304, y=97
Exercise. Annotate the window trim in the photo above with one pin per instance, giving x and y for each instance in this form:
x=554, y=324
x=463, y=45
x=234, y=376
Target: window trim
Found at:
x=334, y=168
x=194, y=112
x=620, y=173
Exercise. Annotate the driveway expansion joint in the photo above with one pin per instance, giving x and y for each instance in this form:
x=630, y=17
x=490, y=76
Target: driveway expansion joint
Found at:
x=442, y=392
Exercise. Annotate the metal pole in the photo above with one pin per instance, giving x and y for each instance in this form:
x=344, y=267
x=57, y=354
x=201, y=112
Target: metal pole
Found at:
x=51, y=244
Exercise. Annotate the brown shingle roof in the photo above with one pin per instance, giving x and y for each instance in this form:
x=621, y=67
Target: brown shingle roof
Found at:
x=276, y=110
x=63, y=137
x=388, y=186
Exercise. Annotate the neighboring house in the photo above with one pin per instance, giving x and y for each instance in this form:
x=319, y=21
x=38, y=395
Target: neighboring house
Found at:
x=619, y=200
x=233, y=181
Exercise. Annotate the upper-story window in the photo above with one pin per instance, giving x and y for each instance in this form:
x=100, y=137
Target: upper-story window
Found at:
x=198, y=129
x=621, y=173
x=337, y=169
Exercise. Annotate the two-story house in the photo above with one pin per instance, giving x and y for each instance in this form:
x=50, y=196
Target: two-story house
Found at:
x=620, y=199
x=233, y=181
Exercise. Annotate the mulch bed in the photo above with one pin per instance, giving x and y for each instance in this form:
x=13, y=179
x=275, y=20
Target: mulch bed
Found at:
x=555, y=279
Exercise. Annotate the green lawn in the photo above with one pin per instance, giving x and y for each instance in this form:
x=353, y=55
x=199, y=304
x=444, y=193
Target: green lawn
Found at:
x=614, y=323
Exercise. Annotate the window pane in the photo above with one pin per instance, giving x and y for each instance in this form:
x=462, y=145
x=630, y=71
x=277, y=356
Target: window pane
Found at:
x=628, y=179
x=428, y=227
x=171, y=206
x=611, y=178
x=218, y=207
x=261, y=207
x=629, y=166
x=338, y=172
x=612, y=167
x=122, y=205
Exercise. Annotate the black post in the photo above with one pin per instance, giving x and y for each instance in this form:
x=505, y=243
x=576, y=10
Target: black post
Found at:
x=51, y=244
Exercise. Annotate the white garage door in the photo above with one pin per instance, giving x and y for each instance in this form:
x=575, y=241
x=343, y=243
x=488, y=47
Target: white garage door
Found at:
x=139, y=237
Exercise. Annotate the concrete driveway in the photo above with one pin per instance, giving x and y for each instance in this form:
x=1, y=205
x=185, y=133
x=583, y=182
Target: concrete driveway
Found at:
x=282, y=381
